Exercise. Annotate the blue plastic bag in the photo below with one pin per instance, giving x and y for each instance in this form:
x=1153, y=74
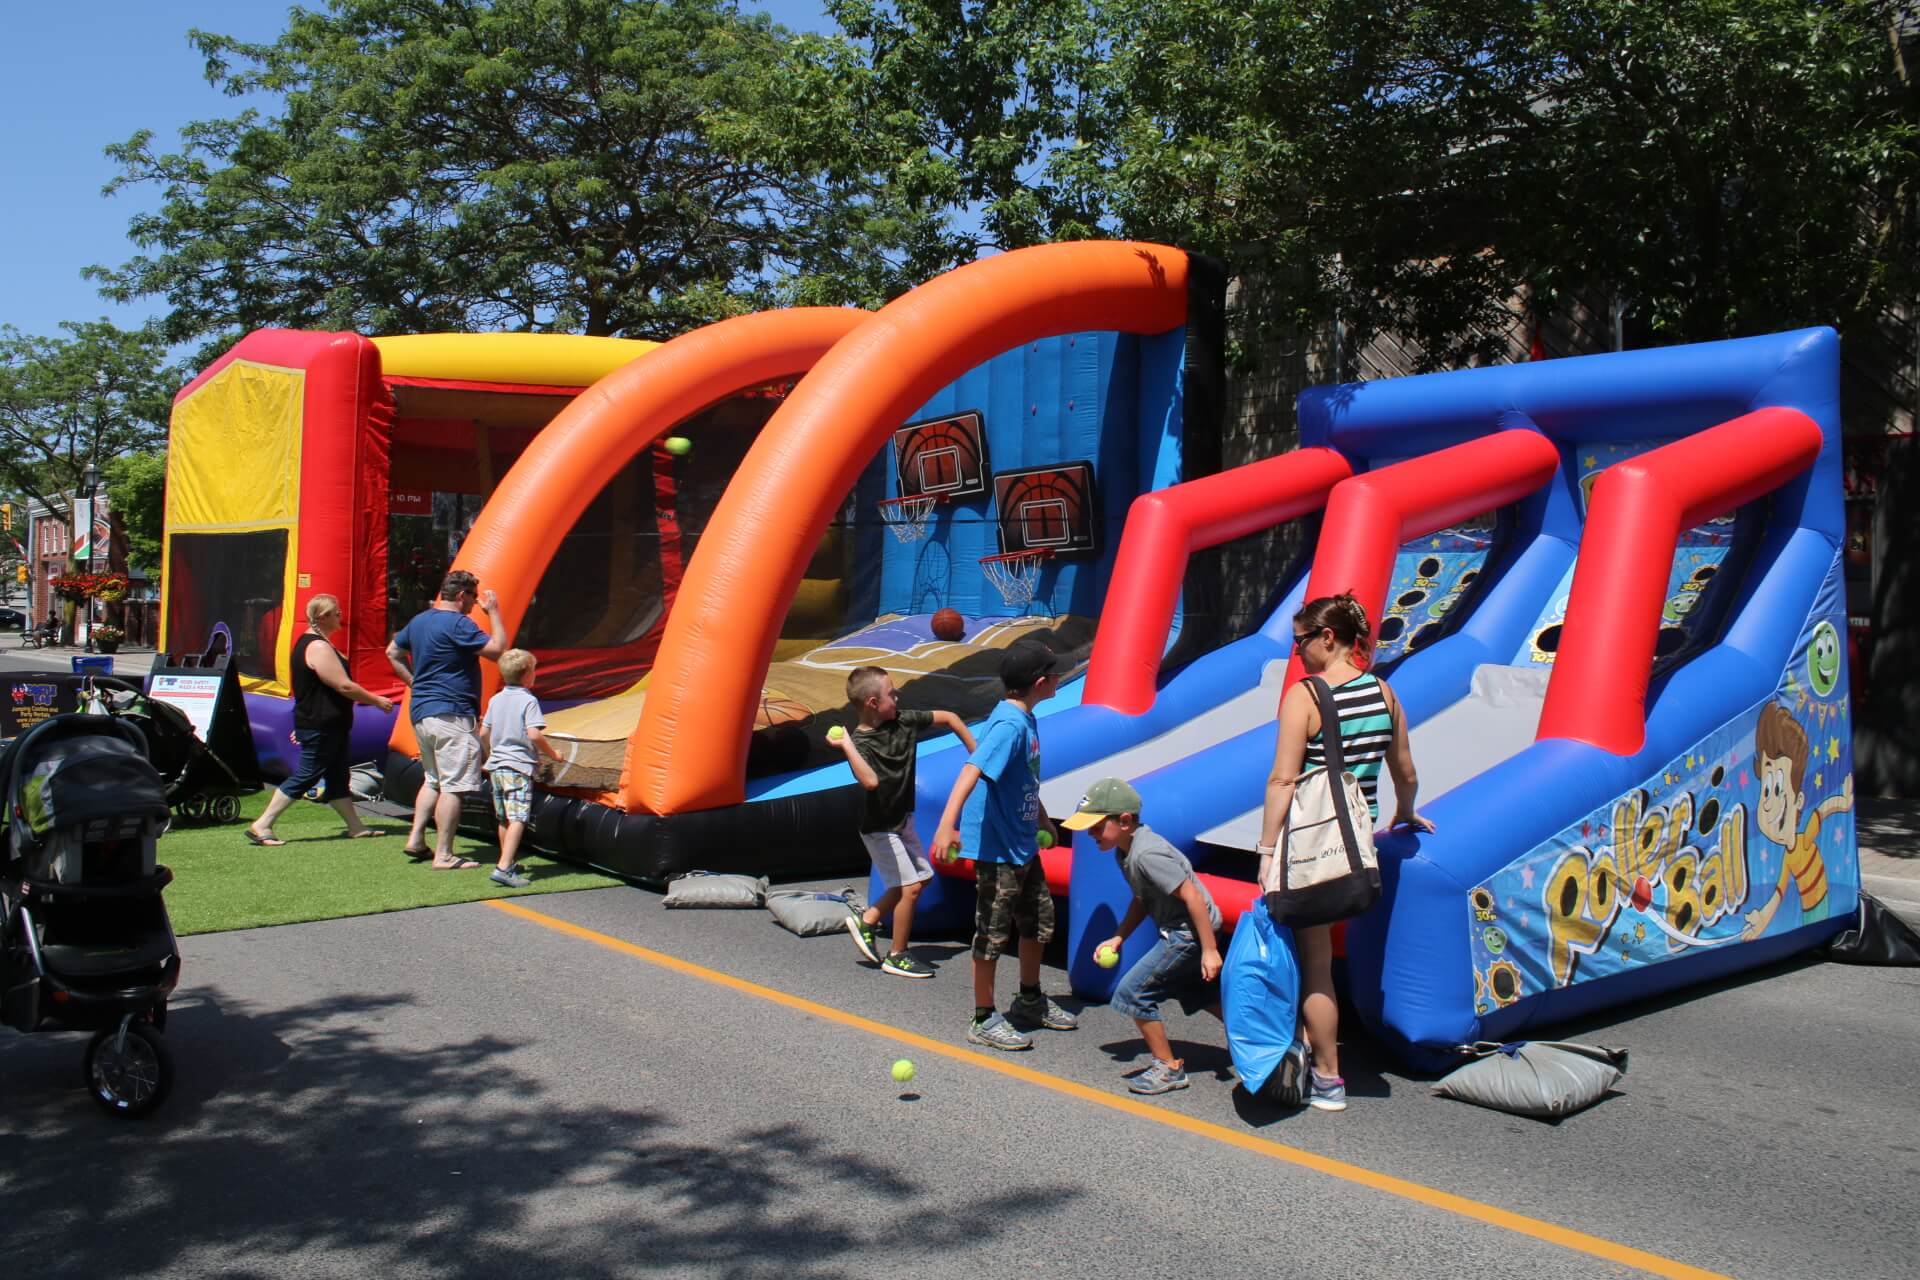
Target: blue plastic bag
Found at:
x=1260, y=995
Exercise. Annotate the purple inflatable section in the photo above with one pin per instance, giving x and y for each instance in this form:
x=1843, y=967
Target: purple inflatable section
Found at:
x=271, y=719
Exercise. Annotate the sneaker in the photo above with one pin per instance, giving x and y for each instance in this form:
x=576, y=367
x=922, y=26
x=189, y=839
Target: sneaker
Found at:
x=1326, y=1093
x=1287, y=1084
x=997, y=1033
x=509, y=877
x=1042, y=1011
x=902, y=965
x=1158, y=1078
x=863, y=938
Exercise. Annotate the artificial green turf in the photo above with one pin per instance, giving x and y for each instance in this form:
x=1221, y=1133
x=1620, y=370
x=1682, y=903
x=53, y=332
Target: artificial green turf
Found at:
x=220, y=881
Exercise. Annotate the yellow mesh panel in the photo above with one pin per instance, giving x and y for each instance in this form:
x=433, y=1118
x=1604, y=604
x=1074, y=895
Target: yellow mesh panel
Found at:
x=234, y=460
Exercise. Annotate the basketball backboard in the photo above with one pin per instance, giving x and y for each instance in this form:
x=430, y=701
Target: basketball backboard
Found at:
x=1048, y=508
x=944, y=456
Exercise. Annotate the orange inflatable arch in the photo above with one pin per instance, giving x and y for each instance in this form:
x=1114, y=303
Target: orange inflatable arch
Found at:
x=552, y=484
x=689, y=750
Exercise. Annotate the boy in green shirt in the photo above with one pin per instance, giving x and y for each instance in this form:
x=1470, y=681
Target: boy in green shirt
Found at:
x=883, y=751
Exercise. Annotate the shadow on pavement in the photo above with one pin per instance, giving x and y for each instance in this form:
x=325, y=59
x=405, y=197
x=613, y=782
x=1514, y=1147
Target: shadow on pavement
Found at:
x=297, y=1140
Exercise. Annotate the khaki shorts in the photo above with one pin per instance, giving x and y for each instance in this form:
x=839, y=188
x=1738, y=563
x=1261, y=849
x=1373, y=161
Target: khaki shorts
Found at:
x=450, y=753
x=897, y=857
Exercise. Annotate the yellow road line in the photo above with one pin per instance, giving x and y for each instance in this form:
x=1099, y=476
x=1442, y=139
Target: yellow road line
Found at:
x=1565, y=1237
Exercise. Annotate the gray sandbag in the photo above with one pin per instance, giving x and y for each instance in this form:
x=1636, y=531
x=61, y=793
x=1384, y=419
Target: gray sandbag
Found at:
x=1545, y=1079
x=705, y=889
x=811, y=914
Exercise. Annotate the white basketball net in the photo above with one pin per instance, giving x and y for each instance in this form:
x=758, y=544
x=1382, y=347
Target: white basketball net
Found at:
x=907, y=517
x=1014, y=575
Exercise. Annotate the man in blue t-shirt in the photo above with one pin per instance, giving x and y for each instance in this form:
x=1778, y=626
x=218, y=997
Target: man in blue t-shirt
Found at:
x=999, y=826
x=437, y=655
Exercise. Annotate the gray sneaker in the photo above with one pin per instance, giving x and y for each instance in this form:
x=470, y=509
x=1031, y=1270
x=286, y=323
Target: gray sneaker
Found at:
x=510, y=877
x=1041, y=1011
x=997, y=1033
x=1158, y=1078
x=902, y=965
x=863, y=938
x=1326, y=1093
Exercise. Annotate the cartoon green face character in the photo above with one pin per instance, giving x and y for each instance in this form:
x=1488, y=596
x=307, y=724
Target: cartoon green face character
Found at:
x=1823, y=659
x=1494, y=938
x=1680, y=604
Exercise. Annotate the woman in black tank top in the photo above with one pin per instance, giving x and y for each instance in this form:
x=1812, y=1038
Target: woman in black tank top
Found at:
x=1329, y=634
x=323, y=698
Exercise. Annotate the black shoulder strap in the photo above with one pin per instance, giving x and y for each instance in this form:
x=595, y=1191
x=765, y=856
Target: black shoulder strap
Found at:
x=1336, y=767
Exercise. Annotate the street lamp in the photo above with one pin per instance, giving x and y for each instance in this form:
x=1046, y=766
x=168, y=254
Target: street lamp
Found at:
x=90, y=480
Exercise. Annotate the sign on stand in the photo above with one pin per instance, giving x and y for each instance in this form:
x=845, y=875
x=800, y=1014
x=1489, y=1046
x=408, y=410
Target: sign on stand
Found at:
x=206, y=690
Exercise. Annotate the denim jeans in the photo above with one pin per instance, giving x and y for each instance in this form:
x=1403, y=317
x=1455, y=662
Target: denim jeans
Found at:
x=323, y=757
x=1172, y=966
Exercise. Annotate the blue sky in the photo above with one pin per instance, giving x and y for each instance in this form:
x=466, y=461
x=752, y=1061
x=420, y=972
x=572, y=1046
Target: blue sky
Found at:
x=78, y=75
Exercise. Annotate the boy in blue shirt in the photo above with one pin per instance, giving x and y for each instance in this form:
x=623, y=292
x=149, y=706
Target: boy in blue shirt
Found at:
x=999, y=827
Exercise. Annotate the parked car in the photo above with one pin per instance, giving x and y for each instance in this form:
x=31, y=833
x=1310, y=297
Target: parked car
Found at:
x=12, y=619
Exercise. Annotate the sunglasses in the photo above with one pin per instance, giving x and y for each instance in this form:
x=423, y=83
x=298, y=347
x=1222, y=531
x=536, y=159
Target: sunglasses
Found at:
x=1302, y=641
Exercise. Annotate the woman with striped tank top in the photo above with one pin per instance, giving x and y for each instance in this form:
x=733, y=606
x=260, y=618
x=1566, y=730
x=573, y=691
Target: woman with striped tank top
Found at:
x=1331, y=636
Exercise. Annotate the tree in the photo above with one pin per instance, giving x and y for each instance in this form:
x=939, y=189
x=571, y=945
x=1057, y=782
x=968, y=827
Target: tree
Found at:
x=71, y=402
x=607, y=166
x=963, y=107
x=136, y=492
x=1725, y=167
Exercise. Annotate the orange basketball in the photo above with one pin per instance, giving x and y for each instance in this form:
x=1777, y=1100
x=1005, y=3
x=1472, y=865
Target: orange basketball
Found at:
x=949, y=625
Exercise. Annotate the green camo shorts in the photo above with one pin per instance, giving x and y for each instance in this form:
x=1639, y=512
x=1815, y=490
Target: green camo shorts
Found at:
x=1007, y=899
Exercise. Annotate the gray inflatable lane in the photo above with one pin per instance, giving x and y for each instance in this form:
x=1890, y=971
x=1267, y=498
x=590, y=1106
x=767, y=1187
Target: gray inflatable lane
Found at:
x=1061, y=794
x=1494, y=722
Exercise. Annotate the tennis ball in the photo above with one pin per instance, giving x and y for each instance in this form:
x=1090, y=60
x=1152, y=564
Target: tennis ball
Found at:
x=902, y=1071
x=678, y=446
x=1106, y=957
x=1045, y=838
x=836, y=734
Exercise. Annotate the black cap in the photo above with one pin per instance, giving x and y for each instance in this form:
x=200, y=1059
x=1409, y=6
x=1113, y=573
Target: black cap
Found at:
x=1025, y=661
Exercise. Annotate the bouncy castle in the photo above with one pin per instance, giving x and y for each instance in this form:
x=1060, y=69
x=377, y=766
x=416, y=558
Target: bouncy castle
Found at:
x=1609, y=598
x=302, y=463
x=972, y=448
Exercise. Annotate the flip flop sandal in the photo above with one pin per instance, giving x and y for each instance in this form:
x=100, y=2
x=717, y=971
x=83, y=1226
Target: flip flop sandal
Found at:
x=418, y=855
x=265, y=842
x=370, y=834
x=458, y=864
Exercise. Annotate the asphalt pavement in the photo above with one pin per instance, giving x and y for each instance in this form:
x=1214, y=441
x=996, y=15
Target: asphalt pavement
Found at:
x=594, y=1086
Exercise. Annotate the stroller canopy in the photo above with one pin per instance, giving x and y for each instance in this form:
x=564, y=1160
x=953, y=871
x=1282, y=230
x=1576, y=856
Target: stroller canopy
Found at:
x=73, y=769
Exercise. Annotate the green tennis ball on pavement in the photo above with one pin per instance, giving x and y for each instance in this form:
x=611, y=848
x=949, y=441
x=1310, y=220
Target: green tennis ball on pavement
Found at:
x=1046, y=838
x=1106, y=957
x=678, y=446
x=902, y=1071
x=836, y=734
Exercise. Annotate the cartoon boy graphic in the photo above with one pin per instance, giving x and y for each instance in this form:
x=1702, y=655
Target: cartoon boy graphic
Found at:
x=1780, y=761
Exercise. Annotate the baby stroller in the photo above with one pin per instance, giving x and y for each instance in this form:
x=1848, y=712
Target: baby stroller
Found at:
x=85, y=943
x=200, y=785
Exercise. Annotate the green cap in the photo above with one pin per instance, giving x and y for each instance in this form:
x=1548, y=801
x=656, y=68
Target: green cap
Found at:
x=1104, y=799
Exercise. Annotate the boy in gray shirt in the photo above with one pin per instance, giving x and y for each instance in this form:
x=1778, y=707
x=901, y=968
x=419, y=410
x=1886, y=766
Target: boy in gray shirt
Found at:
x=1164, y=887
x=509, y=738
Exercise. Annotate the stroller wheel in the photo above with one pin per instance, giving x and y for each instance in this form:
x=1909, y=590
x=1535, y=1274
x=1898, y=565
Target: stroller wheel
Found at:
x=224, y=808
x=194, y=807
x=133, y=1079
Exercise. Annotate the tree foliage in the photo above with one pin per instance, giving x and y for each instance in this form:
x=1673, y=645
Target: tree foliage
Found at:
x=70, y=402
x=1724, y=166
x=136, y=493
x=618, y=166
x=599, y=166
